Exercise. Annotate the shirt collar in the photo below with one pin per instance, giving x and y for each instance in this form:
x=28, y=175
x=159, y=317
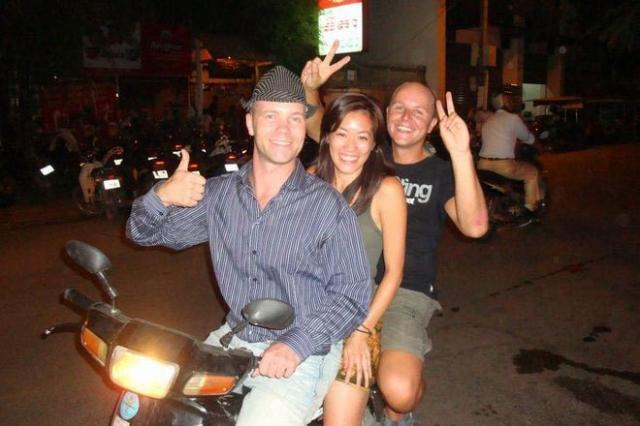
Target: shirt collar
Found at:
x=294, y=182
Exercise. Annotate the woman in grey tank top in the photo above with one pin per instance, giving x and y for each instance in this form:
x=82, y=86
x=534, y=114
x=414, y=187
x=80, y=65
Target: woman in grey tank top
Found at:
x=351, y=159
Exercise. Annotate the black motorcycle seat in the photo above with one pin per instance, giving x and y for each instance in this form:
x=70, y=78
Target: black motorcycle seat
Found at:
x=494, y=178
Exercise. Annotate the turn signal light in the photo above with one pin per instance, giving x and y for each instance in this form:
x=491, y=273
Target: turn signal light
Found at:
x=94, y=345
x=201, y=384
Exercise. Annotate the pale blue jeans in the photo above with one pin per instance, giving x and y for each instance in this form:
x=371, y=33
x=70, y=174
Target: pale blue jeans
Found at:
x=292, y=401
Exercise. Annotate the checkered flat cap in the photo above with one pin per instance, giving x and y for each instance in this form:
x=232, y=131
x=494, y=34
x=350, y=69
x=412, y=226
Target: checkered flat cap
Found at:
x=279, y=85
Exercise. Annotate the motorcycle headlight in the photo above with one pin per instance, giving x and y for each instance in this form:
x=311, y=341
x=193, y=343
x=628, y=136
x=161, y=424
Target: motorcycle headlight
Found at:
x=201, y=384
x=94, y=345
x=142, y=374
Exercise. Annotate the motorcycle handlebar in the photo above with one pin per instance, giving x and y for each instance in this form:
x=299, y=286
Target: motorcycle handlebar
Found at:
x=77, y=299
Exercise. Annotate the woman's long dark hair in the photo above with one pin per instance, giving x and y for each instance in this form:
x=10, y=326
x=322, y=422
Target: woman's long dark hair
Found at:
x=359, y=192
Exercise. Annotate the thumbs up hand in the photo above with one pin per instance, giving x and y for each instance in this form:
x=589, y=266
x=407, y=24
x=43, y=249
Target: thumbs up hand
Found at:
x=183, y=188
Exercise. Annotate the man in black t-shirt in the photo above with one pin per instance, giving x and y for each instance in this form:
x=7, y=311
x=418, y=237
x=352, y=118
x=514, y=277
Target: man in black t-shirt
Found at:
x=433, y=189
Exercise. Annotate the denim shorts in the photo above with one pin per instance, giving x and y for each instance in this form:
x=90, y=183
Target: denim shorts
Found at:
x=405, y=323
x=286, y=401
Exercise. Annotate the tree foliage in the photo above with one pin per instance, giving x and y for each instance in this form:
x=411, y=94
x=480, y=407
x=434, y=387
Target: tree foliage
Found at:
x=42, y=38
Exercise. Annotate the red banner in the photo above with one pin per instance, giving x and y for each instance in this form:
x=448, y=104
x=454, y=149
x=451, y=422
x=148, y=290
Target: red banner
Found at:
x=148, y=50
x=326, y=4
x=166, y=50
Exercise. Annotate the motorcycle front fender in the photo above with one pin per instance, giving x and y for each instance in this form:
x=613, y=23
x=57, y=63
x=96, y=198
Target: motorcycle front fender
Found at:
x=138, y=410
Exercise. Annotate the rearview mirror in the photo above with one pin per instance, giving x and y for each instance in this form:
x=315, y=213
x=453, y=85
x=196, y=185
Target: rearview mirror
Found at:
x=273, y=314
x=88, y=257
x=93, y=261
x=268, y=313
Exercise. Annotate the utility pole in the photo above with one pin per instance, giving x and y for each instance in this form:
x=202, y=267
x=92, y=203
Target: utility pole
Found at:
x=483, y=70
x=197, y=46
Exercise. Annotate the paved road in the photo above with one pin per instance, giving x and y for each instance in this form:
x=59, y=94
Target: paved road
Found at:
x=540, y=326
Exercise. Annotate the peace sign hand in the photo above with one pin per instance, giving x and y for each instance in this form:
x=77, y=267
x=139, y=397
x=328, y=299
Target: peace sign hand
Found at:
x=317, y=71
x=453, y=129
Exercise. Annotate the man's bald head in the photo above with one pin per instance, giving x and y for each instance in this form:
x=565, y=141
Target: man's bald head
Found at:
x=411, y=114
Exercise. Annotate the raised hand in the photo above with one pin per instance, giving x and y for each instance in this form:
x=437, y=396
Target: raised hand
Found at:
x=317, y=71
x=183, y=188
x=453, y=129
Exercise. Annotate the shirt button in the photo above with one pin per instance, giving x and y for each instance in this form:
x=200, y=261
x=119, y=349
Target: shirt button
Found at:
x=254, y=252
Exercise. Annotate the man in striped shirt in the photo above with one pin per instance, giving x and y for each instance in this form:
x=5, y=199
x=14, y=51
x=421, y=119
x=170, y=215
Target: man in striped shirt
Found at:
x=273, y=231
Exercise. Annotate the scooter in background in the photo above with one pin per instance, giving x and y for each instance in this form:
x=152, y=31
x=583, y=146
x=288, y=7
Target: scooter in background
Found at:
x=102, y=188
x=505, y=197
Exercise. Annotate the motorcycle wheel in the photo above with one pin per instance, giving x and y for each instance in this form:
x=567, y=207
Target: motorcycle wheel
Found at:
x=111, y=211
x=145, y=183
x=89, y=209
x=111, y=202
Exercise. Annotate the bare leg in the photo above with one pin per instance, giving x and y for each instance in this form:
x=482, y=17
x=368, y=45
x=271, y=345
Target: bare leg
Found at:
x=344, y=405
x=400, y=381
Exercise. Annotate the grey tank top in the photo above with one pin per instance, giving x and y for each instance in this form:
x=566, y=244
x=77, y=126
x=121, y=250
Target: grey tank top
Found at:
x=372, y=239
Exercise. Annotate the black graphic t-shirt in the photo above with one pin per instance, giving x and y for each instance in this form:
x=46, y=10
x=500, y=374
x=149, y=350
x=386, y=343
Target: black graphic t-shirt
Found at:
x=428, y=185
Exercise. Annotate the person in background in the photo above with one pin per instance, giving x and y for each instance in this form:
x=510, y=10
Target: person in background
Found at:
x=500, y=134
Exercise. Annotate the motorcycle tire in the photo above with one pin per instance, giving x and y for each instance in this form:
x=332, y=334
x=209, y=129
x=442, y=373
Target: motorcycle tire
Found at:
x=145, y=183
x=111, y=202
x=89, y=209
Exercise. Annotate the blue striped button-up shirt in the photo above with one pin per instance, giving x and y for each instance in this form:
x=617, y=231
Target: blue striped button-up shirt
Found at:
x=303, y=247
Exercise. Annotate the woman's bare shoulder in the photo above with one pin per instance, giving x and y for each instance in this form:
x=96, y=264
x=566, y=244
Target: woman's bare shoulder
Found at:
x=390, y=187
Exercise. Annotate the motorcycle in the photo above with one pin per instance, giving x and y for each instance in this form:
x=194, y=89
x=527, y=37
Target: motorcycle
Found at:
x=105, y=186
x=227, y=159
x=505, y=197
x=154, y=168
x=160, y=164
x=169, y=377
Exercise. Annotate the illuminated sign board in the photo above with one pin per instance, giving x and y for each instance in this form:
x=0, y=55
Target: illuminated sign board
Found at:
x=340, y=20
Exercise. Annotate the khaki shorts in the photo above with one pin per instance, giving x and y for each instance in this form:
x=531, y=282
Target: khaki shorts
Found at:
x=406, y=321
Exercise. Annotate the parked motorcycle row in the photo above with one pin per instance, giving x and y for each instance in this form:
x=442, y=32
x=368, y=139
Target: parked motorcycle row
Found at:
x=103, y=175
x=116, y=182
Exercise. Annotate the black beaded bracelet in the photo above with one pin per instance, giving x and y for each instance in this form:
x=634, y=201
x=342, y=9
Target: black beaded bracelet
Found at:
x=365, y=331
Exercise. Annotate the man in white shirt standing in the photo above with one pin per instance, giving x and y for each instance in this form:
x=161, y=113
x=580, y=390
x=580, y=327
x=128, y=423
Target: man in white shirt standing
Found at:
x=500, y=133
